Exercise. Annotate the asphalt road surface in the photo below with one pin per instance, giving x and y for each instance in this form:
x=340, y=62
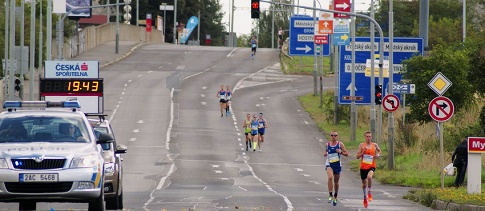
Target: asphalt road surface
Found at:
x=182, y=155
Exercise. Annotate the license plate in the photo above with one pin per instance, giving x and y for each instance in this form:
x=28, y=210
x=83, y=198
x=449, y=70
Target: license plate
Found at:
x=38, y=178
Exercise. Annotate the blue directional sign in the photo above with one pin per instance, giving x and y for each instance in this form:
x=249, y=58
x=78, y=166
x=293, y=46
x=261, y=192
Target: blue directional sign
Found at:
x=301, y=37
x=403, y=49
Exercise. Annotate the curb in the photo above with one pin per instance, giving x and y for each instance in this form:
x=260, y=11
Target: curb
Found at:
x=443, y=205
x=123, y=56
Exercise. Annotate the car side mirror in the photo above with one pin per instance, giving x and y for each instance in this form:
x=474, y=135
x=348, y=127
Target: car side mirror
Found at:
x=105, y=138
x=121, y=149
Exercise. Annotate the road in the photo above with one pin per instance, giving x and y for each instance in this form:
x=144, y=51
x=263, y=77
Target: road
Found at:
x=183, y=155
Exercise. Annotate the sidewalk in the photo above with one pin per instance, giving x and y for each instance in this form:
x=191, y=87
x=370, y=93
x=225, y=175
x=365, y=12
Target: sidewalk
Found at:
x=106, y=53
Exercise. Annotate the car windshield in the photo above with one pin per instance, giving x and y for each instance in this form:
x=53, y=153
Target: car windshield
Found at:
x=42, y=129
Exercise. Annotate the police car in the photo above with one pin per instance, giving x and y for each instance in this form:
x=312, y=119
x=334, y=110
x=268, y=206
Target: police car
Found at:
x=49, y=153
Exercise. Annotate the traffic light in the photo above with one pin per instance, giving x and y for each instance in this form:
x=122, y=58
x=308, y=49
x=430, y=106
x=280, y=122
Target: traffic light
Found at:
x=378, y=94
x=17, y=84
x=255, y=9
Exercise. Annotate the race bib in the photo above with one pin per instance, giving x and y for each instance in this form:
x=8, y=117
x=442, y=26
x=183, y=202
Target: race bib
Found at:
x=333, y=157
x=368, y=159
x=222, y=96
x=253, y=45
x=255, y=128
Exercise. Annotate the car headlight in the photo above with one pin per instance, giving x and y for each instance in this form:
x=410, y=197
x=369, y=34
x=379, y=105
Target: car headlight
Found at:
x=3, y=163
x=109, y=168
x=85, y=161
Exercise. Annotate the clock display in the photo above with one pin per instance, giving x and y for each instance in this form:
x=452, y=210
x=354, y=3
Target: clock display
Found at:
x=69, y=85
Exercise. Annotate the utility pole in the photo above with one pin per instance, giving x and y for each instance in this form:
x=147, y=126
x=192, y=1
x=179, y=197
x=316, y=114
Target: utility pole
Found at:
x=22, y=43
x=49, y=31
x=315, y=66
x=11, y=64
x=175, y=23
x=32, y=49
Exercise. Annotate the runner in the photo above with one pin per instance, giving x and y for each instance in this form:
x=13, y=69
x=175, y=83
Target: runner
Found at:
x=247, y=130
x=254, y=131
x=221, y=94
x=254, y=45
x=368, y=152
x=333, y=165
x=228, y=100
x=280, y=37
x=261, y=129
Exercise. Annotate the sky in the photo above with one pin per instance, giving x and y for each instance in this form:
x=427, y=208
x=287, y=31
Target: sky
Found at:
x=242, y=15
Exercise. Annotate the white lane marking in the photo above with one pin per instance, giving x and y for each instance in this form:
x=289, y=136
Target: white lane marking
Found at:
x=305, y=175
x=132, y=139
x=215, y=166
x=150, y=71
x=195, y=74
x=180, y=67
x=218, y=172
x=172, y=166
x=202, y=95
x=242, y=188
x=140, y=122
x=314, y=182
x=298, y=169
x=135, y=131
x=203, y=103
x=204, y=87
x=228, y=55
x=306, y=122
x=160, y=67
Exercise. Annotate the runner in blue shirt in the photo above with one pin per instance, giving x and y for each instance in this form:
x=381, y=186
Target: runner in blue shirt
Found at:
x=254, y=131
x=221, y=94
x=228, y=100
x=254, y=45
x=263, y=124
x=333, y=165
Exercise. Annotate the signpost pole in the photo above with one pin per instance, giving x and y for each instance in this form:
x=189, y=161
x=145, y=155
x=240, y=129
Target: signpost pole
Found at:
x=315, y=66
x=391, y=74
x=442, y=155
x=353, y=112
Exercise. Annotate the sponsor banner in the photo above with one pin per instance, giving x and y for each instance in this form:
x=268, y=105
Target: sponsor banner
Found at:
x=71, y=69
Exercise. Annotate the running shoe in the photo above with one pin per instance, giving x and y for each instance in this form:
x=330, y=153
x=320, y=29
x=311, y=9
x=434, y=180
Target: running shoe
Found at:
x=330, y=199
x=369, y=197
x=365, y=203
x=259, y=150
x=334, y=201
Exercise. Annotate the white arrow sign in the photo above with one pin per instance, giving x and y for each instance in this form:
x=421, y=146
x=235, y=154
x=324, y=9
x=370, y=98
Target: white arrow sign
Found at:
x=306, y=49
x=344, y=5
x=350, y=87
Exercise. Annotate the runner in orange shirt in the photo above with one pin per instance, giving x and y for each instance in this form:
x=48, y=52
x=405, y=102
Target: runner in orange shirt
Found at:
x=368, y=152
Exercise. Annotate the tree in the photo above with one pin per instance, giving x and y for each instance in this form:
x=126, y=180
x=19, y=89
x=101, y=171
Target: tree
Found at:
x=281, y=19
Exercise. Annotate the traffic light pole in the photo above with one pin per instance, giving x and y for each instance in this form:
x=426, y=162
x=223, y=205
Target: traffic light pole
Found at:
x=379, y=29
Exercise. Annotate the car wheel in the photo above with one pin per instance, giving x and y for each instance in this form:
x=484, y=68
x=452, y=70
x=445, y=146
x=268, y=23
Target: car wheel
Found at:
x=120, y=200
x=98, y=204
x=23, y=206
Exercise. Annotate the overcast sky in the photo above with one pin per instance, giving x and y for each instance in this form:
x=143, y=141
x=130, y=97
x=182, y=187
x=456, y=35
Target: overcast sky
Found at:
x=242, y=15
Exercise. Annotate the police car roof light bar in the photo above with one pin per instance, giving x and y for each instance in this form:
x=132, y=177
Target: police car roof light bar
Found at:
x=41, y=104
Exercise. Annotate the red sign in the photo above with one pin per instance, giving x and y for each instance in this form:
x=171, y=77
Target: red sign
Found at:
x=390, y=102
x=476, y=144
x=343, y=6
x=321, y=39
x=441, y=109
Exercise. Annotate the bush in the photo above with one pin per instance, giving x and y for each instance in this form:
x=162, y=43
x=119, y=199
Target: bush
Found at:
x=343, y=113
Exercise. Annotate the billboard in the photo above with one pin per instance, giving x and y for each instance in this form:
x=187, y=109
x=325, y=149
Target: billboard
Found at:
x=78, y=8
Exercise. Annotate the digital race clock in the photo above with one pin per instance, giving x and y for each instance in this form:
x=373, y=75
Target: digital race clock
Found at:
x=70, y=85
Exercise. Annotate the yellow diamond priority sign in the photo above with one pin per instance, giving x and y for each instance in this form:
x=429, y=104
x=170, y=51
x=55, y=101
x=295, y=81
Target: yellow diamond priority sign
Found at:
x=439, y=84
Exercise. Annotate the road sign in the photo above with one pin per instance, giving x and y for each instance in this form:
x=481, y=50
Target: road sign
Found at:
x=301, y=37
x=343, y=6
x=341, y=26
x=341, y=38
x=321, y=39
x=324, y=27
x=356, y=98
x=403, y=88
x=390, y=102
x=476, y=144
x=404, y=48
x=439, y=84
x=441, y=109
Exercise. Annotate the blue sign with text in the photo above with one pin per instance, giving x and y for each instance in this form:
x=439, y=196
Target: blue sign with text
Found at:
x=301, y=37
x=403, y=49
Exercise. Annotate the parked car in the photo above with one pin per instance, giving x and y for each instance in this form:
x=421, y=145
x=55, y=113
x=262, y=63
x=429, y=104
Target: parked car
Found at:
x=49, y=153
x=113, y=168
